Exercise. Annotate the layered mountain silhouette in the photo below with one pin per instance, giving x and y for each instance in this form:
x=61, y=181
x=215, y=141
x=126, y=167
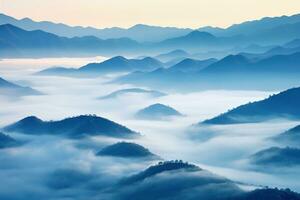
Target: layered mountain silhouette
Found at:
x=193, y=40
x=191, y=65
x=7, y=141
x=10, y=89
x=157, y=111
x=231, y=72
x=266, y=30
x=119, y=93
x=139, y=32
x=38, y=43
x=277, y=157
x=121, y=64
x=282, y=105
x=74, y=127
x=116, y=64
x=236, y=64
x=126, y=150
x=62, y=40
x=173, y=55
x=293, y=44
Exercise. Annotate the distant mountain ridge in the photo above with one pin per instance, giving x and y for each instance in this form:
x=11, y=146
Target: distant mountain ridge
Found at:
x=120, y=64
x=147, y=33
x=19, y=42
x=232, y=72
x=115, y=64
x=139, y=32
x=268, y=31
x=253, y=28
x=121, y=92
x=192, y=65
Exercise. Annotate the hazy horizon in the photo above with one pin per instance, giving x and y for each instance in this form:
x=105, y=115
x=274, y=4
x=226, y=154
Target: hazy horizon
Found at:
x=150, y=113
x=127, y=14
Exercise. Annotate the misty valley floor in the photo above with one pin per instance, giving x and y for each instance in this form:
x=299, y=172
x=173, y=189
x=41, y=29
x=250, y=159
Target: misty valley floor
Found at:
x=222, y=150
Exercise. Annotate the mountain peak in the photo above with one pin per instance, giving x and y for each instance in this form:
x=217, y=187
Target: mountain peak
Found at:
x=74, y=127
x=157, y=111
x=31, y=119
x=125, y=149
x=159, y=168
x=200, y=34
x=118, y=58
x=138, y=26
x=8, y=26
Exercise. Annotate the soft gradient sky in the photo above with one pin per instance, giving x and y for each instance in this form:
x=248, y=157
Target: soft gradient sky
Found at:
x=125, y=13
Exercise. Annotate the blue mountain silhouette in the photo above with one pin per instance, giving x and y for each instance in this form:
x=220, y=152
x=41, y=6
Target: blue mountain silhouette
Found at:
x=74, y=127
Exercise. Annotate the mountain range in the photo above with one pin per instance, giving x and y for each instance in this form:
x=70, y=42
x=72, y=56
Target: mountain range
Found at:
x=265, y=30
x=232, y=72
x=116, y=64
x=173, y=55
x=16, y=42
x=139, y=32
x=54, y=39
x=269, y=29
x=74, y=127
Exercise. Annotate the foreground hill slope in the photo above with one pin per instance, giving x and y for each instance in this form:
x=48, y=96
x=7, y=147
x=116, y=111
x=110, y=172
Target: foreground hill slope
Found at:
x=277, y=157
x=178, y=180
x=283, y=105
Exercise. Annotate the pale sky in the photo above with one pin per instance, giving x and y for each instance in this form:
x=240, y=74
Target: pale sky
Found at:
x=126, y=13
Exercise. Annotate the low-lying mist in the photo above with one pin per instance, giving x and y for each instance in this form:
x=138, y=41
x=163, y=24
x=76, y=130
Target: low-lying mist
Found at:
x=36, y=169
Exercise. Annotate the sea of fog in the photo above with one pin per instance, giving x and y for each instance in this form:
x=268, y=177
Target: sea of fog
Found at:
x=221, y=149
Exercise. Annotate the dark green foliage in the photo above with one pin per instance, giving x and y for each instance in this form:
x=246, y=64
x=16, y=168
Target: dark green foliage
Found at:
x=125, y=149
